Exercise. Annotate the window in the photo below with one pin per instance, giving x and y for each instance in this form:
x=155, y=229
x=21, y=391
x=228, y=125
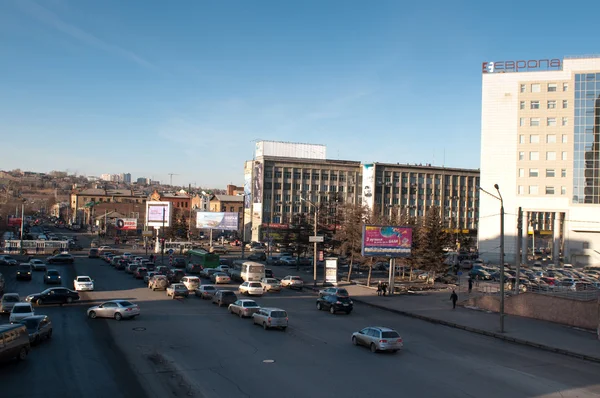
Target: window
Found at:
x=534, y=139
x=521, y=139
x=552, y=104
x=521, y=155
x=549, y=190
x=533, y=173
x=522, y=88
x=551, y=122
x=535, y=105
x=533, y=189
x=550, y=173
x=565, y=121
x=563, y=172
x=522, y=105
x=565, y=138
x=551, y=139
x=534, y=121
x=521, y=172
x=563, y=190
x=521, y=190
x=534, y=156
x=522, y=121
x=551, y=87
x=535, y=88
x=565, y=104
x=565, y=86
x=563, y=156
x=550, y=155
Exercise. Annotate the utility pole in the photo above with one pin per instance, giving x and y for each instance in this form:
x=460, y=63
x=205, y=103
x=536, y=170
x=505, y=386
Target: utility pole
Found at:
x=518, y=254
x=162, y=246
x=502, y=260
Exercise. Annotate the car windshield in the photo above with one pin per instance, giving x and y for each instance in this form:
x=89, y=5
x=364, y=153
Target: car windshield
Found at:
x=390, y=335
x=23, y=267
x=342, y=292
x=30, y=324
x=10, y=299
x=53, y=273
x=21, y=309
x=84, y=279
x=278, y=314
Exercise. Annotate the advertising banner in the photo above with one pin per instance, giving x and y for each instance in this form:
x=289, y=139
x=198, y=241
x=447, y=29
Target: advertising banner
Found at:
x=257, y=184
x=212, y=220
x=156, y=212
x=247, y=185
x=128, y=224
x=14, y=222
x=368, y=185
x=331, y=265
x=386, y=241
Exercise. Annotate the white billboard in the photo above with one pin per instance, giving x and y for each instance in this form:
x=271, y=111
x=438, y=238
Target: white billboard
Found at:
x=290, y=150
x=368, y=185
x=214, y=220
x=158, y=214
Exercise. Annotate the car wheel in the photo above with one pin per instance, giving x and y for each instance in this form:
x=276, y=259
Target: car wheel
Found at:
x=118, y=316
x=354, y=341
x=39, y=302
x=319, y=306
x=373, y=348
x=241, y=314
x=22, y=354
x=331, y=310
x=265, y=326
x=69, y=300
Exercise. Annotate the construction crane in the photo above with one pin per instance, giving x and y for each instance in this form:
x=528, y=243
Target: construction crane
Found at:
x=171, y=176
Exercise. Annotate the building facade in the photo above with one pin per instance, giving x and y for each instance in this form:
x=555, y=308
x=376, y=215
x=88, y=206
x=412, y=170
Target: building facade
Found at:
x=540, y=142
x=84, y=203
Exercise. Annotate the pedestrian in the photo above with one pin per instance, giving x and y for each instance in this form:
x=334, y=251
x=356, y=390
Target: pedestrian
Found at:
x=470, y=284
x=379, y=288
x=384, y=288
x=454, y=298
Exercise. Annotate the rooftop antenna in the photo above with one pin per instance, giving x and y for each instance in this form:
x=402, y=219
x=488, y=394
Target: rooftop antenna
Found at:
x=171, y=176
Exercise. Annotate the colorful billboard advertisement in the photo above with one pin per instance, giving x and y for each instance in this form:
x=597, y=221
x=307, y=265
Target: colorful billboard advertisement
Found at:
x=247, y=186
x=127, y=224
x=14, y=221
x=158, y=214
x=213, y=220
x=257, y=183
x=368, y=185
x=386, y=241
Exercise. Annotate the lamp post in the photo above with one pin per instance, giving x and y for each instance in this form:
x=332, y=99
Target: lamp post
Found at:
x=243, y=195
x=22, y=222
x=315, y=239
x=499, y=197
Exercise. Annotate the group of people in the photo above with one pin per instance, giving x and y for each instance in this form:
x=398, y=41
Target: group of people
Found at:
x=382, y=288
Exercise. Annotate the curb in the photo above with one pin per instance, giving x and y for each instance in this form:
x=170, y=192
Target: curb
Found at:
x=484, y=332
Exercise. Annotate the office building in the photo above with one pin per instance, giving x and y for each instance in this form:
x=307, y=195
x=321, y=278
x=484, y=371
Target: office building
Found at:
x=540, y=144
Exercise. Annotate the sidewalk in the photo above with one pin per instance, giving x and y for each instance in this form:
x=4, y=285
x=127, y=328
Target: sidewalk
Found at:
x=437, y=308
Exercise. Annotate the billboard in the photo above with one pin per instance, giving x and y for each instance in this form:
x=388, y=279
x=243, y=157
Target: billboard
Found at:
x=128, y=224
x=257, y=182
x=331, y=268
x=368, y=185
x=213, y=220
x=14, y=221
x=386, y=241
x=157, y=212
x=247, y=186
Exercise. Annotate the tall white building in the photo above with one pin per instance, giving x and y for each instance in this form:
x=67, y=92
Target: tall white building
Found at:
x=540, y=142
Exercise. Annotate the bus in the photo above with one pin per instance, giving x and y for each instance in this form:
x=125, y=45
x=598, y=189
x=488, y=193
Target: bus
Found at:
x=200, y=259
x=36, y=247
x=179, y=247
x=245, y=271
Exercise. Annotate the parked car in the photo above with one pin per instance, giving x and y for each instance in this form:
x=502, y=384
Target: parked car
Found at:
x=20, y=311
x=140, y=272
x=15, y=342
x=335, y=291
x=205, y=291
x=335, y=304
x=38, y=265
x=38, y=327
x=8, y=301
x=54, y=295
x=271, y=318
x=62, y=258
x=158, y=282
x=243, y=307
x=251, y=288
x=224, y=297
x=82, y=283
x=378, y=339
x=117, y=309
x=293, y=282
x=177, y=290
x=24, y=271
x=93, y=253
x=271, y=285
x=52, y=276
x=7, y=260
x=220, y=277
x=191, y=282
x=480, y=274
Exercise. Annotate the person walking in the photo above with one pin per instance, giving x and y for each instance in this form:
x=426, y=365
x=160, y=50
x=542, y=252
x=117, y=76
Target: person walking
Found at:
x=379, y=288
x=470, y=284
x=454, y=298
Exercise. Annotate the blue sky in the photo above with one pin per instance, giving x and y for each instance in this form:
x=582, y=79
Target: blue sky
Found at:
x=156, y=87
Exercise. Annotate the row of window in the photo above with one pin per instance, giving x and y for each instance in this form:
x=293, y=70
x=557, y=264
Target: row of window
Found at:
x=534, y=190
x=550, y=104
x=535, y=121
x=549, y=173
x=550, y=155
x=550, y=87
x=535, y=139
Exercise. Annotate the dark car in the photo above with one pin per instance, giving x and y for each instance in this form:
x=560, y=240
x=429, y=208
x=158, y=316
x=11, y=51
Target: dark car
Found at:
x=62, y=258
x=335, y=304
x=38, y=327
x=480, y=274
x=55, y=295
x=121, y=265
x=175, y=275
x=140, y=272
x=257, y=256
x=194, y=268
x=269, y=273
x=224, y=297
x=162, y=269
x=75, y=246
x=179, y=263
x=7, y=260
x=52, y=276
x=24, y=272
x=93, y=253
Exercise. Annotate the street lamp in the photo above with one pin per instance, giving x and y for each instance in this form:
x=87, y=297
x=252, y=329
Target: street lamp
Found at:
x=315, y=239
x=243, y=195
x=499, y=197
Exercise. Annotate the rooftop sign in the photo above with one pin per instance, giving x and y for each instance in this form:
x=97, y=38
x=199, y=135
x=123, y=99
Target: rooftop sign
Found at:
x=521, y=66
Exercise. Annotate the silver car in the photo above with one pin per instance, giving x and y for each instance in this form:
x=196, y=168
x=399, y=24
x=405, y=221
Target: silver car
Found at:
x=378, y=338
x=271, y=285
x=206, y=291
x=244, y=307
x=38, y=265
x=292, y=282
x=117, y=309
x=8, y=302
x=271, y=318
x=177, y=290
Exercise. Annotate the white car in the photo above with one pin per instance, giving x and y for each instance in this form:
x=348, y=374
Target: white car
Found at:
x=251, y=288
x=82, y=283
x=117, y=309
x=271, y=285
x=223, y=268
x=20, y=311
x=38, y=265
x=293, y=282
x=191, y=282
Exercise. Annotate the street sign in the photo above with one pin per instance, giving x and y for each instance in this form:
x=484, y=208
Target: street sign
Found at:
x=171, y=259
x=147, y=234
x=170, y=251
x=317, y=239
x=459, y=273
